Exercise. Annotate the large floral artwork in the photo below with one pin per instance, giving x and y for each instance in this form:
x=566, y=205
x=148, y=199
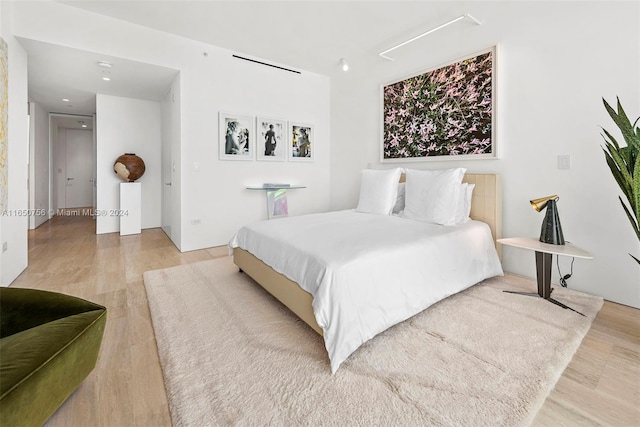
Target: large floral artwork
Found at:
x=4, y=134
x=442, y=113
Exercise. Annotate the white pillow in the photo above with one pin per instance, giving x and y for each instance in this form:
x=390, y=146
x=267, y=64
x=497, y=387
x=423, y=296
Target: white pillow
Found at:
x=432, y=196
x=464, y=203
x=378, y=190
x=399, y=206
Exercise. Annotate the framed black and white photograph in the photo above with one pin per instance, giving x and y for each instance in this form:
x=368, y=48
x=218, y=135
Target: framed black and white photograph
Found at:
x=272, y=139
x=301, y=142
x=236, y=139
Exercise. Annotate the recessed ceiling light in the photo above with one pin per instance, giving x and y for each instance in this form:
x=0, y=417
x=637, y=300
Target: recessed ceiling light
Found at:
x=65, y=99
x=105, y=64
x=106, y=79
x=84, y=126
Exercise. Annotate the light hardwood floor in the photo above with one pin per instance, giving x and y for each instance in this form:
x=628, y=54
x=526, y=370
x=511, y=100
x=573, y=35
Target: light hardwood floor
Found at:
x=601, y=385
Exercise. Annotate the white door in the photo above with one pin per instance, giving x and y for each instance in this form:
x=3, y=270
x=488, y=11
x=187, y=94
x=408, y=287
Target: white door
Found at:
x=79, y=162
x=167, y=132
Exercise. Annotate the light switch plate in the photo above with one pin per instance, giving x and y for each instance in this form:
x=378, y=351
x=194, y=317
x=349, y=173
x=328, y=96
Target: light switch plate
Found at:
x=564, y=162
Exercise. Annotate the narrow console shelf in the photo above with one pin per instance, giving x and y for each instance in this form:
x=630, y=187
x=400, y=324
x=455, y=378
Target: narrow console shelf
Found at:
x=273, y=188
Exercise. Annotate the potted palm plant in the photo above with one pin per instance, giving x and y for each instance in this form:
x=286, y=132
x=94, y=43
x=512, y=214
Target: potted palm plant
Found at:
x=624, y=163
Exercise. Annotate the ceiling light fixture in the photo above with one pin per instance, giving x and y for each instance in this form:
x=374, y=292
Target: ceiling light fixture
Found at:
x=105, y=64
x=106, y=79
x=433, y=30
x=84, y=126
x=65, y=99
x=344, y=64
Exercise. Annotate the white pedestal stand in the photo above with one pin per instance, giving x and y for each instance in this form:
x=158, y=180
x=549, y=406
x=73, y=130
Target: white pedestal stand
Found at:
x=130, y=208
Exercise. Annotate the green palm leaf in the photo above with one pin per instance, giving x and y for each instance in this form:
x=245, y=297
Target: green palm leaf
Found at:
x=624, y=163
x=612, y=140
x=616, y=171
x=624, y=124
x=632, y=219
x=636, y=189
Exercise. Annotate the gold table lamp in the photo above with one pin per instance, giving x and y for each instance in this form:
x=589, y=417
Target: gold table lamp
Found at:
x=551, y=231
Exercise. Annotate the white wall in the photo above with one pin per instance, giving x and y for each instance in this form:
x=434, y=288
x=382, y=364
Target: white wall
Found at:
x=211, y=190
x=171, y=162
x=13, y=229
x=39, y=168
x=127, y=125
x=556, y=61
x=59, y=162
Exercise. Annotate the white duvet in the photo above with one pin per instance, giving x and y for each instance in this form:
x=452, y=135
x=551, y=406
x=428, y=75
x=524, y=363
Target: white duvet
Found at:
x=368, y=272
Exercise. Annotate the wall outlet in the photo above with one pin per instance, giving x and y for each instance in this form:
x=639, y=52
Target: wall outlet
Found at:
x=4, y=246
x=564, y=162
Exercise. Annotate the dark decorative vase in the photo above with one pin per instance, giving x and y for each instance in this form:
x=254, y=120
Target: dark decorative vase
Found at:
x=129, y=167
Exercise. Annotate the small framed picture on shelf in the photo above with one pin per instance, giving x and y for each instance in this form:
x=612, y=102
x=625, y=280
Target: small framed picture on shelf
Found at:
x=301, y=142
x=236, y=139
x=272, y=139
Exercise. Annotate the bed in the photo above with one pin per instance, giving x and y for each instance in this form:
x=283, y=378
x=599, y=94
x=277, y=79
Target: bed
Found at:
x=356, y=284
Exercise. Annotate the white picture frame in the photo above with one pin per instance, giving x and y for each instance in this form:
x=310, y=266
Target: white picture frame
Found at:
x=301, y=142
x=419, y=128
x=236, y=141
x=271, y=139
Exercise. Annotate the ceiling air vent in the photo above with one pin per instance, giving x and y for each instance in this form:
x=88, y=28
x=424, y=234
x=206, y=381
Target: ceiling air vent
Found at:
x=268, y=65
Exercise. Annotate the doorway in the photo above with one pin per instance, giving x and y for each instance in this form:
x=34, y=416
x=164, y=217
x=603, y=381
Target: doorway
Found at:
x=73, y=158
x=78, y=150
x=167, y=134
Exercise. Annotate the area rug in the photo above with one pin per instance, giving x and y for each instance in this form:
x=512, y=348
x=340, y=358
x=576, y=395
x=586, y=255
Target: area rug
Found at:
x=233, y=355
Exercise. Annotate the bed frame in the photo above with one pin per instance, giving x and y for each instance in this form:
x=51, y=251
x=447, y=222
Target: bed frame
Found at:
x=486, y=206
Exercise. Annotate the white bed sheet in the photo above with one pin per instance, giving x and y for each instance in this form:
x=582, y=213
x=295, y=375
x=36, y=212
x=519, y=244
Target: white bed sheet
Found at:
x=369, y=272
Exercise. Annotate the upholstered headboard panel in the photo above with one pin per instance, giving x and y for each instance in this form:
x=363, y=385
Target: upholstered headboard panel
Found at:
x=486, y=205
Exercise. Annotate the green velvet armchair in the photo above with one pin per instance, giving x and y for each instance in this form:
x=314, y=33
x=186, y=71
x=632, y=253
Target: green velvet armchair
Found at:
x=49, y=343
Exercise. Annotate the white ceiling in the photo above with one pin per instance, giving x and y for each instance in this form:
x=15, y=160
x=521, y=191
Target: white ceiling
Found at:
x=72, y=122
x=57, y=72
x=309, y=35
